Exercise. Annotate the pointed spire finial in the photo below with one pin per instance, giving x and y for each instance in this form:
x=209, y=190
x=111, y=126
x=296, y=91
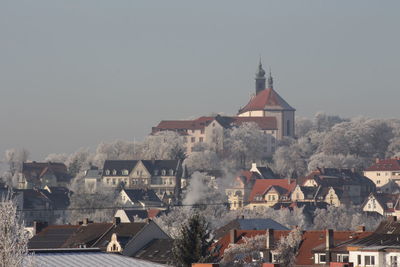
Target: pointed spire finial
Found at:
x=270, y=80
x=260, y=71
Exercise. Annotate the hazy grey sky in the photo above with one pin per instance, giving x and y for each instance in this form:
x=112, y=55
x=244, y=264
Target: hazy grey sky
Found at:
x=75, y=73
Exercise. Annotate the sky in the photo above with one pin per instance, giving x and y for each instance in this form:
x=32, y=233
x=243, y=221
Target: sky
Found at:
x=77, y=73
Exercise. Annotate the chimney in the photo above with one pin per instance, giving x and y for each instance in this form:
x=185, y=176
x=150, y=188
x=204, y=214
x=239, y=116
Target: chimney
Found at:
x=376, y=160
x=232, y=236
x=329, y=239
x=85, y=221
x=360, y=229
x=270, y=239
x=116, y=220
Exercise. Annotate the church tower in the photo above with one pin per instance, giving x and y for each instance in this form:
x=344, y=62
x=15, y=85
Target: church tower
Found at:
x=268, y=103
x=260, y=78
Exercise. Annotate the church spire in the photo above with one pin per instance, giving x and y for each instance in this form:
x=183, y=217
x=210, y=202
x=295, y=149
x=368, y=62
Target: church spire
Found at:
x=260, y=78
x=270, y=80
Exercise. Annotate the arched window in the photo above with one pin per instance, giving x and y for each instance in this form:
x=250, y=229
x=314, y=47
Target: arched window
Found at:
x=171, y=172
x=107, y=172
x=114, y=172
x=163, y=172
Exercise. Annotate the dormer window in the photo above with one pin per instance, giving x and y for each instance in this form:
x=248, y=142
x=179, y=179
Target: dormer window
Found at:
x=163, y=172
x=171, y=172
x=114, y=172
x=107, y=172
x=155, y=172
x=125, y=172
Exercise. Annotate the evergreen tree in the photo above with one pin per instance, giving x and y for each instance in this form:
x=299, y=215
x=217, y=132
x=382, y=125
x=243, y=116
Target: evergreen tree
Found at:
x=193, y=243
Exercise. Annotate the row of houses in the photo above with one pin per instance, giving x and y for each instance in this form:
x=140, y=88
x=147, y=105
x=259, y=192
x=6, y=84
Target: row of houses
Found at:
x=259, y=187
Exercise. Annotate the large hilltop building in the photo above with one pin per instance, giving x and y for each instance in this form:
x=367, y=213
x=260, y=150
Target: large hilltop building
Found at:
x=274, y=116
x=268, y=103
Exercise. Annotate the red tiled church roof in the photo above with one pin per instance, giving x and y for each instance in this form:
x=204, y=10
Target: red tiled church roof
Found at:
x=267, y=98
x=385, y=165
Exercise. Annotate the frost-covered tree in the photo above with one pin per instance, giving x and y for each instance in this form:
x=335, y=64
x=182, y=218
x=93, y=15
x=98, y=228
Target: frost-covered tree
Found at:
x=13, y=237
x=163, y=145
x=202, y=160
x=14, y=158
x=97, y=206
x=336, y=161
x=193, y=243
x=246, y=253
x=78, y=161
x=350, y=217
x=303, y=126
x=62, y=158
x=324, y=122
x=245, y=143
x=117, y=150
x=287, y=248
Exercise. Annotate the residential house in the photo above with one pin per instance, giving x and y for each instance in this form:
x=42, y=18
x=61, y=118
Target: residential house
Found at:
x=40, y=174
x=92, y=179
x=381, y=248
x=139, y=198
x=115, y=237
x=383, y=204
x=384, y=171
x=336, y=186
x=238, y=192
x=248, y=224
x=162, y=176
x=60, y=201
x=317, y=248
x=131, y=215
x=157, y=250
x=269, y=192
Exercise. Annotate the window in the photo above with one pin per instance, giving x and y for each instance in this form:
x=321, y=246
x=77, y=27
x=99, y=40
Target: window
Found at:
x=202, y=131
x=107, y=172
x=114, y=172
x=155, y=172
x=378, y=181
x=114, y=181
x=163, y=172
x=288, y=128
x=125, y=172
x=378, y=174
x=322, y=258
x=171, y=172
x=359, y=259
x=343, y=258
x=193, y=139
x=108, y=180
x=213, y=125
x=369, y=260
x=201, y=139
x=393, y=261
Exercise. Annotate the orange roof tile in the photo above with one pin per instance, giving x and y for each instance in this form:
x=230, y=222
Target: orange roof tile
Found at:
x=262, y=185
x=266, y=99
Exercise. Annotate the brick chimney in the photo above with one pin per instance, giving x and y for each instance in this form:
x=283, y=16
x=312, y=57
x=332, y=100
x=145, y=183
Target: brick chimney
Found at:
x=269, y=243
x=360, y=229
x=329, y=239
x=232, y=236
x=329, y=242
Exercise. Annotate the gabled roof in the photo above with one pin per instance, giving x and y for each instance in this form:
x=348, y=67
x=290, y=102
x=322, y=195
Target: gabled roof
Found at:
x=157, y=250
x=99, y=234
x=248, y=224
x=385, y=165
x=152, y=165
x=262, y=185
x=119, y=166
x=33, y=171
x=66, y=258
x=59, y=197
x=267, y=99
x=53, y=236
x=146, y=196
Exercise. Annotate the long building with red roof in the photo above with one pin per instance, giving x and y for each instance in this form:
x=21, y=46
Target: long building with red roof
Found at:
x=272, y=114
